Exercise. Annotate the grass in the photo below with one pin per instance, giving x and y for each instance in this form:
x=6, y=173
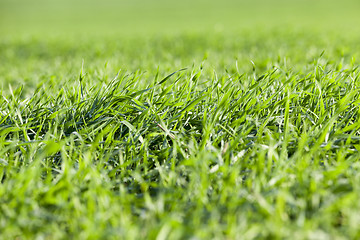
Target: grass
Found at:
x=241, y=134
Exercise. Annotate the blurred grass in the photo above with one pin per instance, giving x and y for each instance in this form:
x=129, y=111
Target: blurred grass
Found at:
x=140, y=17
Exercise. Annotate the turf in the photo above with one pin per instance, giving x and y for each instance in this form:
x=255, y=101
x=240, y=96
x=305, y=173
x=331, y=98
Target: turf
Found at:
x=241, y=134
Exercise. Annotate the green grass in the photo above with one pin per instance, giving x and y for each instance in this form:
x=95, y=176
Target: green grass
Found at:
x=247, y=133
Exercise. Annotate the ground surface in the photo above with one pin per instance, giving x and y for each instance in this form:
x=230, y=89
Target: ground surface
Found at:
x=229, y=121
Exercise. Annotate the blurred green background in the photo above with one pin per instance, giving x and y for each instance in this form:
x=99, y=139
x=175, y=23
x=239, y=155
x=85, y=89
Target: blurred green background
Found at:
x=109, y=17
x=42, y=39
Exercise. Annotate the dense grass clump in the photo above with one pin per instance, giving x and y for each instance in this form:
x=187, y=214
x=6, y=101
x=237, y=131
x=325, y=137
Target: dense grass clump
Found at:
x=206, y=137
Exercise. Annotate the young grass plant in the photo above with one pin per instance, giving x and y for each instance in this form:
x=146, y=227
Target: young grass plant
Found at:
x=267, y=149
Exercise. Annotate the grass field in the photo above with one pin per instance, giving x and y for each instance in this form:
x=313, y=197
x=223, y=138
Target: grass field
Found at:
x=179, y=120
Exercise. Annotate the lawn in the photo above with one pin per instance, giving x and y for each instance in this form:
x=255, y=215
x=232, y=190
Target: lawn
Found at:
x=179, y=120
